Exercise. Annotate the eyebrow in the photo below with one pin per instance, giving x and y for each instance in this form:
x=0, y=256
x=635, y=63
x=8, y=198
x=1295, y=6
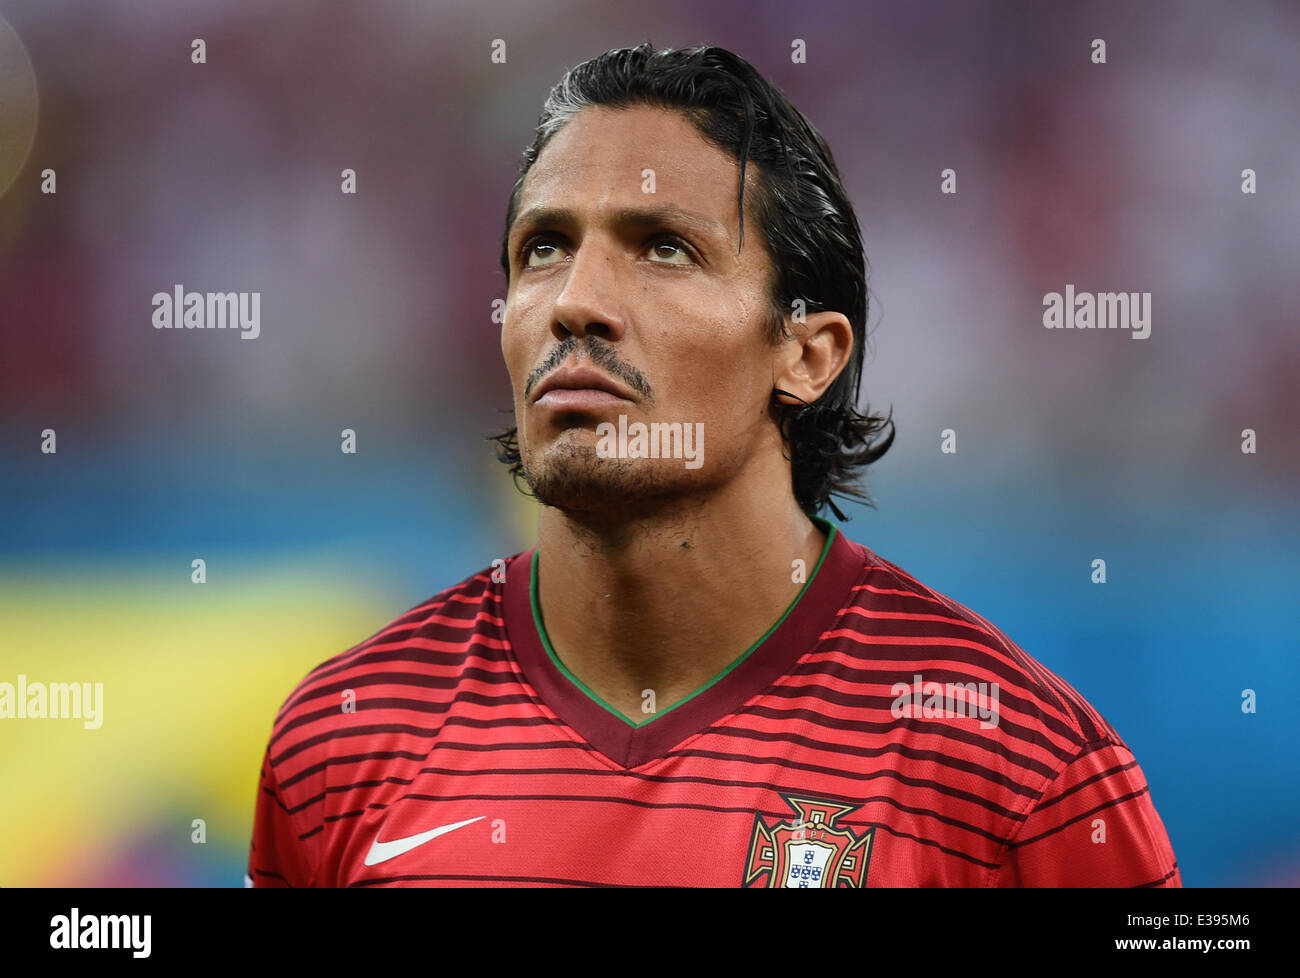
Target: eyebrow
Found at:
x=630, y=217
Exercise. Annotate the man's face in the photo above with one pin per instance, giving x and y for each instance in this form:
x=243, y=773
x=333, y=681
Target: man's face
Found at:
x=666, y=309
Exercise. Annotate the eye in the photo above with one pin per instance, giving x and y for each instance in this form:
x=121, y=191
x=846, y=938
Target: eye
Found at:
x=531, y=245
x=672, y=241
x=542, y=245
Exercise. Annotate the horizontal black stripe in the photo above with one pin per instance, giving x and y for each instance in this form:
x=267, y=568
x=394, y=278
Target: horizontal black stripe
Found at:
x=1069, y=699
x=1160, y=882
x=414, y=617
x=778, y=816
x=1078, y=818
x=457, y=745
x=1084, y=784
x=378, y=755
x=933, y=727
x=778, y=789
x=789, y=765
x=422, y=707
x=272, y=875
x=379, y=728
x=936, y=632
x=941, y=728
x=1082, y=716
x=915, y=782
x=1008, y=673
x=418, y=656
x=946, y=850
x=309, y=689
x=276, y=798
x=783, y=763
x=557, y=880
x=372, y=807
x=947, y=760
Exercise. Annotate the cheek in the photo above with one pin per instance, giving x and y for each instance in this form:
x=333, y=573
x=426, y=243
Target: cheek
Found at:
x=514, y=344
x=715, y=368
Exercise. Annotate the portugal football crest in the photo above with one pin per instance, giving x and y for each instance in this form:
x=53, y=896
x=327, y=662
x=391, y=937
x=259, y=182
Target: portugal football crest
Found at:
x=808, y=851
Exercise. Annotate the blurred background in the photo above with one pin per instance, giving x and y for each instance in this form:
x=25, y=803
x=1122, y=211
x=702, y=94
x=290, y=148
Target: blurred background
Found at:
x=376, y=316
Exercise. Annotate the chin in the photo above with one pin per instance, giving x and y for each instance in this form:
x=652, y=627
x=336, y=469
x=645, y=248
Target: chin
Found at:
x=572, y=477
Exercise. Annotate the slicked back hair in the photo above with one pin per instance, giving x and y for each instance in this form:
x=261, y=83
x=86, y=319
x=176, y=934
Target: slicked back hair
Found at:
x=803, y=213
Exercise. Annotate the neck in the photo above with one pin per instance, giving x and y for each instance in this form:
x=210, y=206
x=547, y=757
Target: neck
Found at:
x=666, y=600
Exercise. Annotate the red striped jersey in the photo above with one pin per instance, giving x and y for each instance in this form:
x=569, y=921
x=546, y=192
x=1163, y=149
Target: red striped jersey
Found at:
x=878, y=735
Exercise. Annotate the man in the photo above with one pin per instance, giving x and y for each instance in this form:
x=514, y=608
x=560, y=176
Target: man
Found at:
x=692, y=679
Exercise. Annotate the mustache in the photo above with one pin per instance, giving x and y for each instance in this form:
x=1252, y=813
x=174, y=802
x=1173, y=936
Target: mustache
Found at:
x=602, y=354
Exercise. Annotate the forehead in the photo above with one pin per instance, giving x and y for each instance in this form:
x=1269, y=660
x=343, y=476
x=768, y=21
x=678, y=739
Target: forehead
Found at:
x=598, y=161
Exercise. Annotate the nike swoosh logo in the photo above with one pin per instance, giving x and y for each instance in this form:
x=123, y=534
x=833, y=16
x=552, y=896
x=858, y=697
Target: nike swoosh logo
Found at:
x=381, y=852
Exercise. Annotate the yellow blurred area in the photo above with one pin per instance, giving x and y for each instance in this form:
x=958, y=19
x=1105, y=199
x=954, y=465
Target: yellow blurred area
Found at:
x=192, y=677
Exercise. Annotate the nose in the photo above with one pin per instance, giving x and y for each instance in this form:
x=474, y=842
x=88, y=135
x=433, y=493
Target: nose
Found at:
x=590, y=300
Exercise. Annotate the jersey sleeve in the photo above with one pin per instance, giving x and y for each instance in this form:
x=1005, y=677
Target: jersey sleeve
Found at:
x=1094, y=826
x=279, y=855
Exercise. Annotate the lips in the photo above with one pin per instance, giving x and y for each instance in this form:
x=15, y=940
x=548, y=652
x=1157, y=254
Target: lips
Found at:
x=565, y=399
x=579, y=387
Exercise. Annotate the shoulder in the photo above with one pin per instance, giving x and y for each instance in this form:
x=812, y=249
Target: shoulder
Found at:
x=440, y=631
x=377, y=700
x=1060, y=775
x=889, y=608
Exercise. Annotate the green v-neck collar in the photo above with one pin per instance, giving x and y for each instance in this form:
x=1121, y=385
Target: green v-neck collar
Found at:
x=823, y=596
x=828, y=527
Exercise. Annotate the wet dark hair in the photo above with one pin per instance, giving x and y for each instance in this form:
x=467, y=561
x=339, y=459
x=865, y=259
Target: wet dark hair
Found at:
x=803, y=213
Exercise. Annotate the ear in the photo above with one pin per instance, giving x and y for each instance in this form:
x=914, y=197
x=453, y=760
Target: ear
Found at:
x=810, y=360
